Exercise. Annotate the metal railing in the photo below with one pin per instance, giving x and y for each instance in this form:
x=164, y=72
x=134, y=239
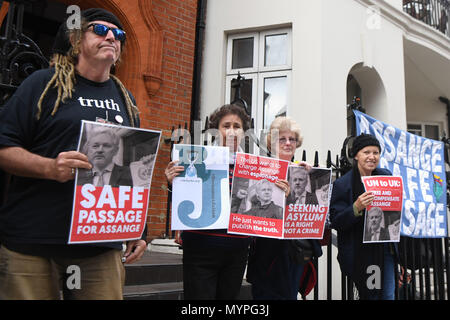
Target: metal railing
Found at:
x=434, y=13
x=423, y=272
x=20, y=56
x=424, y=268
x=424, y=264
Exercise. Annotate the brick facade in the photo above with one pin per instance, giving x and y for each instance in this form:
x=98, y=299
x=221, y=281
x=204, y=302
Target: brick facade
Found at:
x=157, y=67
x=169, y=105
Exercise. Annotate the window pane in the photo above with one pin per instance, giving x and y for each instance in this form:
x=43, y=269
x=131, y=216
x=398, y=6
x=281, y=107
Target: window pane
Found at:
x=246, y=92
x=415, y=129
x=275, y=99
x=242, y=53
x=432, y=132
x=414, y=126
x=275, y=50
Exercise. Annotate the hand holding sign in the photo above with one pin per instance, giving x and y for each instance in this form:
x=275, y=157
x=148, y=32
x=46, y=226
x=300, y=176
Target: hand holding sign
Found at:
x=364, y=200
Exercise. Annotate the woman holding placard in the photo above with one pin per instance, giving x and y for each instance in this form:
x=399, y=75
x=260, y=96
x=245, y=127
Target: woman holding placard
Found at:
x=275, y=266
x=371, y=266
x=214, y=261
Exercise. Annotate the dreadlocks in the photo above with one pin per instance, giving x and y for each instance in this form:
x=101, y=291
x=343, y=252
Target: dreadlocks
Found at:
x=63, y=81
x=132, y=110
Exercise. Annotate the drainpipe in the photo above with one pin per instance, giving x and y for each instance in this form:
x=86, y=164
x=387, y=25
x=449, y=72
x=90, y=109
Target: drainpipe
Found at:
x=446, y=157
x=447, y=103
x=199, y=41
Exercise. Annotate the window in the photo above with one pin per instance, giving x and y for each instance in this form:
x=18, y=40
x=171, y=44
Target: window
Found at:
x=242, y=53
x=274, y=98
x=427, y=130
x=264, y=60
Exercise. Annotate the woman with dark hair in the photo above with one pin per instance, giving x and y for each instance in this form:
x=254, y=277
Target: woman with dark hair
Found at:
x=214, y=261
x=229, y=109
x=358, y=260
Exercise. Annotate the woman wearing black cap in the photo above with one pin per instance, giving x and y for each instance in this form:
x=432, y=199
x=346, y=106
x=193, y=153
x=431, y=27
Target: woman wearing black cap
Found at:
x=38, y=137
x=371, y=266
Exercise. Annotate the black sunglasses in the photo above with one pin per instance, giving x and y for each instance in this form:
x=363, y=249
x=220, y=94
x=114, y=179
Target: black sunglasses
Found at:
x=102, y=30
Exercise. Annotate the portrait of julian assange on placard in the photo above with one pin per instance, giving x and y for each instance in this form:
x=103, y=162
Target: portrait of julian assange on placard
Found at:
x=300, y=183
x=258, y=198
x=120, y=156
x=381, y=226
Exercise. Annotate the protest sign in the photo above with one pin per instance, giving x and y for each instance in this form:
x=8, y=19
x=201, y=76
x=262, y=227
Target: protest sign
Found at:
x=383, y=215
x=201, y=193
x=257, y=205
x=420, y=162
x=308, y=203
x=110, y=204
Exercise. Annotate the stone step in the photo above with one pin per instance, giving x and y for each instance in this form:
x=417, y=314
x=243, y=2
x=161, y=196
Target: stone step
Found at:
x=165, y=246
x=158, y=275
x=157, y=291
x=154, y=268
x=170, y=291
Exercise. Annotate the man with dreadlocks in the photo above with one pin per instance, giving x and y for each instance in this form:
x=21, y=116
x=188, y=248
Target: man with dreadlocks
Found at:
x=40, y=127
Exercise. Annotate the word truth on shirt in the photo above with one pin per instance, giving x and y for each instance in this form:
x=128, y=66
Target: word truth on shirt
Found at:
x=109, y=104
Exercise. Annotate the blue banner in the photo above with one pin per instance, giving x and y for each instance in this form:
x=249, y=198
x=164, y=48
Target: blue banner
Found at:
x=420, y=162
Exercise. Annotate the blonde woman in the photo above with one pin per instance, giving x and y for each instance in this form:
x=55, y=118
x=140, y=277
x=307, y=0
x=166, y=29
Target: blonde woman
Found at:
x=273, y=268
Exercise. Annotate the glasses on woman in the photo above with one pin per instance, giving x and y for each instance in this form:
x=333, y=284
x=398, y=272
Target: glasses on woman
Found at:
x=283, y=140
x=102, y=30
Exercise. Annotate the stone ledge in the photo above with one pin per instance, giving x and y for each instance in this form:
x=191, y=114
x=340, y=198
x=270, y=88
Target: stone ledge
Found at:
x=165, y=245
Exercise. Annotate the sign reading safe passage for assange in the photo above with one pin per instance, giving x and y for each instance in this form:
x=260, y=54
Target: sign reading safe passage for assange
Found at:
x=111, y=199
x=420, y=162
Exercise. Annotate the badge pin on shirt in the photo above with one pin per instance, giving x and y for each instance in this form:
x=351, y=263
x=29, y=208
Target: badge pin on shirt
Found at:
x=119, y=119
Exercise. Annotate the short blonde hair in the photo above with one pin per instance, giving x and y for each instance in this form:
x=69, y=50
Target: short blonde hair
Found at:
x=285, y=124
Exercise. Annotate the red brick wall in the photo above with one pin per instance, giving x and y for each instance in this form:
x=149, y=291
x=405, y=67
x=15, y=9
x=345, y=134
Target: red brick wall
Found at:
x=147, y=22
x=171, y=105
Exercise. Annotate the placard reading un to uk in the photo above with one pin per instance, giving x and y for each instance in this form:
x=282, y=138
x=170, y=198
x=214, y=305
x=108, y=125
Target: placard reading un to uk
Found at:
x=201, y=193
